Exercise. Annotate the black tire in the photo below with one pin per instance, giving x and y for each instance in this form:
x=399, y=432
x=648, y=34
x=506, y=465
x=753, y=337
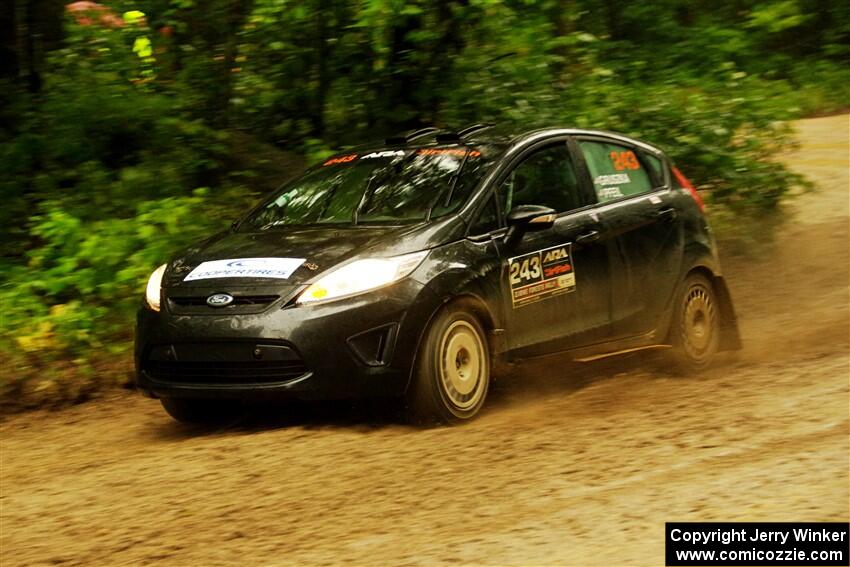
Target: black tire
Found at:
x=191, y=410
x=695, y=327
x=451, y=375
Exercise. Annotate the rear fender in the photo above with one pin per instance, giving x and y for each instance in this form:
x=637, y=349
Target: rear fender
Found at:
x=730, y=336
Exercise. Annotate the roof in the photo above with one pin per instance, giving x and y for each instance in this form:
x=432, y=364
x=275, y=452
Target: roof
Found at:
x=488, y=134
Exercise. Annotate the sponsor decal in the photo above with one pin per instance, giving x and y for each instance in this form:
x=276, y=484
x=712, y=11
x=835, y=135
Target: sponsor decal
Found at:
x=458, y=152
x=613, y=179
x=340, y=159
x=654, y=199
x=539, y=275
x=609, y=193
x=280, y=268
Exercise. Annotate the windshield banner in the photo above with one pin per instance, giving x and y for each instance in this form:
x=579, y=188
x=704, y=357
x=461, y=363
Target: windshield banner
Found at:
x=280, y=268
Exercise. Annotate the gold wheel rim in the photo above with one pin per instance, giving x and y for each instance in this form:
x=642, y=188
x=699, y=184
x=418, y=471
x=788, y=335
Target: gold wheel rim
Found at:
x=462, y=365
x=698, y=322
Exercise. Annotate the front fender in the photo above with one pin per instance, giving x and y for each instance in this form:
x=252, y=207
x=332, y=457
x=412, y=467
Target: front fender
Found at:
x=469, y=270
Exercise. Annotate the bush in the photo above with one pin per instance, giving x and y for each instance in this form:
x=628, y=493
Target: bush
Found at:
x=73, y=298
x=103, y=178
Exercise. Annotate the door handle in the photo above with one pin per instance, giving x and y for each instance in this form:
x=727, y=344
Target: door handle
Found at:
x=667, y=214
x=587, y=237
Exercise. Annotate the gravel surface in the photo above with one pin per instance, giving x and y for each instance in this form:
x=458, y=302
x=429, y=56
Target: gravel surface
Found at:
x=569, y=464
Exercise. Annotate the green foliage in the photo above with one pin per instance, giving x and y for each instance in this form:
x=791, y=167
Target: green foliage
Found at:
x=105, y=146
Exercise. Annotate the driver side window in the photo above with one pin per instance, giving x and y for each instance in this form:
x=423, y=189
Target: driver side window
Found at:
x=546, y=177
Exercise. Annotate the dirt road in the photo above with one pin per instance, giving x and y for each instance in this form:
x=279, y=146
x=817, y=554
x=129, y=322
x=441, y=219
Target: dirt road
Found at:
x=567, y=467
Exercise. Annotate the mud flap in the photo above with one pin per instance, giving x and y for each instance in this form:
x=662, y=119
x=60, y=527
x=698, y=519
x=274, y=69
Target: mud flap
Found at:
x=730, y=337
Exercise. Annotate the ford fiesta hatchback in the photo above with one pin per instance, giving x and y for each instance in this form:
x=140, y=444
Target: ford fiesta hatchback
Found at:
x=410, y=269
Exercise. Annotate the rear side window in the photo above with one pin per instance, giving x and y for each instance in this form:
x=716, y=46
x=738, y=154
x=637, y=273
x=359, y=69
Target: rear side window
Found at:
x=656, y=166
x=616, y=170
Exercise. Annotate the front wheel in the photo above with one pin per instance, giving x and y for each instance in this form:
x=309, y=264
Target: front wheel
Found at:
x=695, y=330
x=190, y=410
x=452, y=370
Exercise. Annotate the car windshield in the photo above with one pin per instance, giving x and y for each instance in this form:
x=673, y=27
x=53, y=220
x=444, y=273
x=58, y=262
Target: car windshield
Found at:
x=389, y=186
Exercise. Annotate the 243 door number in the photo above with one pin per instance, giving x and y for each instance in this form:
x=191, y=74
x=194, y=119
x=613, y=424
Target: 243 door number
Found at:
x=525, y=270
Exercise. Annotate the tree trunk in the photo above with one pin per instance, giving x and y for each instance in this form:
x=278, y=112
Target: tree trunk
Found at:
x=323, y=80
x=9, y=40
x=612, y=13
x=562, y=26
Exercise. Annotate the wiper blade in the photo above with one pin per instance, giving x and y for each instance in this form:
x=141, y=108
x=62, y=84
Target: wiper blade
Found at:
x=451, y=185
x=367, y=194
x=380, y=174
x=328, y=199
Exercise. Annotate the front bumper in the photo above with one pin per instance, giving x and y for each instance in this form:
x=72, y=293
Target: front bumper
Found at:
x=362, y=346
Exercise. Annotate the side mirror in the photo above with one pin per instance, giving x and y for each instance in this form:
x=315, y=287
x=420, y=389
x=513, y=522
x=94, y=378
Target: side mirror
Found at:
x=528, y=218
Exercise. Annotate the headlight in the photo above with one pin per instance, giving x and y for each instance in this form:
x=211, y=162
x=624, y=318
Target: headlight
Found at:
x=360, y=276
x=153, y=293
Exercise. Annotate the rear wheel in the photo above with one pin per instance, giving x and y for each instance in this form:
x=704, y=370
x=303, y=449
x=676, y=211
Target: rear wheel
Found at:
x=190, y=410
x=452, y=371
x=695, y=330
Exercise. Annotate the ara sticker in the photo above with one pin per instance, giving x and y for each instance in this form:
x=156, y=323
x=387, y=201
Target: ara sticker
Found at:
x=280, y=268
x=612, y=179
x=340, y=159
x=539, y=275
x=384, y=154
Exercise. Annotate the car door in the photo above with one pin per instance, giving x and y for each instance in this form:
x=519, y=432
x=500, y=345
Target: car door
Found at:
x=639, y=214
x=554, y=282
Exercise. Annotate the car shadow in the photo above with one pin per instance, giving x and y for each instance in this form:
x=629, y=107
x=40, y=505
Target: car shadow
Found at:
x=362, y=415
x=533, y=379
x=559, y=376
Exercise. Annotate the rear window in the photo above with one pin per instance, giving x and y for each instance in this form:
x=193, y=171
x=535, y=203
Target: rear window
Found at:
x=616, y=170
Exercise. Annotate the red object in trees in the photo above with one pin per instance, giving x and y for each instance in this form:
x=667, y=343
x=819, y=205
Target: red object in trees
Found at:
x=88, y=13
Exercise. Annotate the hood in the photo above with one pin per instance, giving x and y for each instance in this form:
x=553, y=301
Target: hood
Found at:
x=321, y=248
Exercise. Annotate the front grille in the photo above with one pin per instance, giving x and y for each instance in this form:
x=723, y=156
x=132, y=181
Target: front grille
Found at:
x=258, y=372
x=242, y=362
x=197, y=304
x=237, y=300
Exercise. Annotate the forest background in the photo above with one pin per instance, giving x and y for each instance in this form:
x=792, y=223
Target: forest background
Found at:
x=130, y=128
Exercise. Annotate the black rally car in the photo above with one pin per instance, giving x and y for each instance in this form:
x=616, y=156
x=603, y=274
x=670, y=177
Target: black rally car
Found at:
x=410, y=269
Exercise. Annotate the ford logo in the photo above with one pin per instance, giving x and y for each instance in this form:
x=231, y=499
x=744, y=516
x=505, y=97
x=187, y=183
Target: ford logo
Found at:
x=219, y=299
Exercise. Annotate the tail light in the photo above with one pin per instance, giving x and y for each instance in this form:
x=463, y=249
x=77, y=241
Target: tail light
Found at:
x=684, y=182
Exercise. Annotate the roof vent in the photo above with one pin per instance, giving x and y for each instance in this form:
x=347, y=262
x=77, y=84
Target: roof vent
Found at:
x=474, y=128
